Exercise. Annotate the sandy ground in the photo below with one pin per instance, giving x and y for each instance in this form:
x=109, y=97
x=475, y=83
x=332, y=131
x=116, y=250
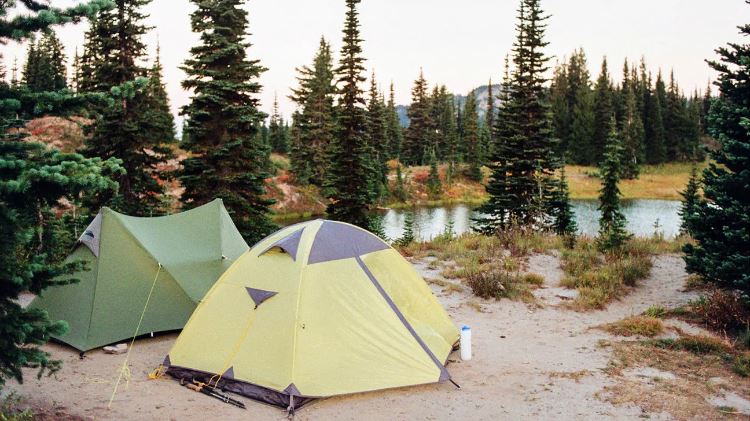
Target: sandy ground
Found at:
x=539, y=362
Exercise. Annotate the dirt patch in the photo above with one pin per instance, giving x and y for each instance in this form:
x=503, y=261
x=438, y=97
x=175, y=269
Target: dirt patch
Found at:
x=529, y=363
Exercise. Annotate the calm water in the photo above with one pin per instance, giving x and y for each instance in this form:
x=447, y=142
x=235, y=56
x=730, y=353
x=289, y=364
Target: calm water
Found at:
x=642, y=216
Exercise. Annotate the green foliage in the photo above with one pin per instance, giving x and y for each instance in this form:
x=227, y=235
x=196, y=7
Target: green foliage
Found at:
x=313, y=124
x=377, y=140
x=394, y=133
x=471, y=139
x=228, y=159
x=563, y=222
x=33, y=180
x=524, y=159
x=690, y=201
x=434, y=185
x=418, y=137
x=636, y=326
x=720, y=224
x=408, y=236
x=499, y=283
x=612, y=233
x=138, y=128
x=741, y=365
x=655, y=311
x=349, y=176
x=278, y=132
x=45, y=65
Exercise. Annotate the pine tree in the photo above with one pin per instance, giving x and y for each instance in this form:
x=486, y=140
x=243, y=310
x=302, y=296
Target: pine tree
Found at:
x=603, y=111
x=137, y=128
x=314, y=122
x=349, y=174
x=277, y=133
x=417, y=137
x=690, y=202
x=228, y=160
x=35, y=179
x=489, y=123
x=524, y=161
x=434, y=185
x=377, y=140
x=720, y=224
x=400, y=191
x=471, y=138
x=394, y=133
x=655, y=135
x=581, y=148
x=561, y=112
x=612, y=232
x=561, y=211
x=45, y=65
x=631, y=127
x=161, y=119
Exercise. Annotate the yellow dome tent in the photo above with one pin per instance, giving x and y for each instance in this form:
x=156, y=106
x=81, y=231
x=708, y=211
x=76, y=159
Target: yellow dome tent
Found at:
x=317, y=309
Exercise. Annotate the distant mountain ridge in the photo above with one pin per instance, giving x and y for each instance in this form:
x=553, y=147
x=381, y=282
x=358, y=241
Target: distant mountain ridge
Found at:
x=481, y=93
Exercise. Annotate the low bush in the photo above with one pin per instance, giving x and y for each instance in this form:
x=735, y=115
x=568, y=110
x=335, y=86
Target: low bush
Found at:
x=655, y=311
x=722, y=311
x=696, y=344
x=601, y=278
x=533, y=279
x=498, y=283
x=741, y=365
x=636, y=326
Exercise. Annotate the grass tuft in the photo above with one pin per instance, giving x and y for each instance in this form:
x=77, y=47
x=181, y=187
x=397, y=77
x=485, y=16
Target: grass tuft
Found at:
x=498, y=283
x=636, y=326
x=601, y=278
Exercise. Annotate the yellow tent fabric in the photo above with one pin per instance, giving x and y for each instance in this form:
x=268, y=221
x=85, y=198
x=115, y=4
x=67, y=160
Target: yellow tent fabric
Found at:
x=317, y=309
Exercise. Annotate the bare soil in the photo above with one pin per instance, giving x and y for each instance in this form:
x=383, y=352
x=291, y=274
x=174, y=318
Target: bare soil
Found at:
x=531, y=361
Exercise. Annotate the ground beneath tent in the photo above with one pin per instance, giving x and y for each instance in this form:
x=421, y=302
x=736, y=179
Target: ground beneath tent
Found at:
x=529, y=361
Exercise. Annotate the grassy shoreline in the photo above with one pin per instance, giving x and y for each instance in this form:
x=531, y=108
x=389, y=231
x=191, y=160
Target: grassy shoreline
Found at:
x=660, y=182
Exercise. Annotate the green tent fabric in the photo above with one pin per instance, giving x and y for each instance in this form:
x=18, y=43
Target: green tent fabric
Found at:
x=124, y=255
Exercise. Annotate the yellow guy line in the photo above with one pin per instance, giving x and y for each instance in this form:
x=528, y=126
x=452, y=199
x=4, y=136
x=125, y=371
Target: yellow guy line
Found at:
x=124, y=370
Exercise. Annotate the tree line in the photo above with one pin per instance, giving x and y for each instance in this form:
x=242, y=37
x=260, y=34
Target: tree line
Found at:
x=657, y=121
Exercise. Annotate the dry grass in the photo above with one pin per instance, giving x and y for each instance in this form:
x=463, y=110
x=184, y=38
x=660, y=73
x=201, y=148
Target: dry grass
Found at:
x=601, y=278
x=636, y=326
x=683, y=397
x=500, y=284
x=571, y=375
x=655, y=182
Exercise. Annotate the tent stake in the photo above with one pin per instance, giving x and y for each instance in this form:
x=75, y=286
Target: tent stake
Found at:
x=455, y=384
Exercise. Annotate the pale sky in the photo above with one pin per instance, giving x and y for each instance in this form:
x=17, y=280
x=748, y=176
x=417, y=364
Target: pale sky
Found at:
x=458, y=43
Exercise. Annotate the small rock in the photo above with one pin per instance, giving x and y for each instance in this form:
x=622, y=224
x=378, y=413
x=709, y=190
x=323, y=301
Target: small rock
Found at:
x=116, y=349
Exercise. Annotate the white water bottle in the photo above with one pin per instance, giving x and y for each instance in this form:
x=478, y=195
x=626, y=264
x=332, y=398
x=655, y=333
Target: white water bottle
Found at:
x=466, y=343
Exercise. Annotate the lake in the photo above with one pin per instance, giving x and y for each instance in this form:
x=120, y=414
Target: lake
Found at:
x=642, y=217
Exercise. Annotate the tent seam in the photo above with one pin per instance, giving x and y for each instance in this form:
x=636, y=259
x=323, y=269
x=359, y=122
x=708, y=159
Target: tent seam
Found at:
x=402, y=318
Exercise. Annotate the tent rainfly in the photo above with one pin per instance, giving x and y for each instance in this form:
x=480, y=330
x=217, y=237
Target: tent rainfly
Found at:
x=186, y=253
x=317, y=309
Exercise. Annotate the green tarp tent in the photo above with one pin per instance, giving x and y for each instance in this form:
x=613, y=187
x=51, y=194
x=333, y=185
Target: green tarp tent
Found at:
x=124, y=255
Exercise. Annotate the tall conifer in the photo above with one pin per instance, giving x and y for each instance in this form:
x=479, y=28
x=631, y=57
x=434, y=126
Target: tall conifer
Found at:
x=349, y=173
x=417, y=136
x=227, y=158
x=721, y=222
x=521, y=187
x=314, y=123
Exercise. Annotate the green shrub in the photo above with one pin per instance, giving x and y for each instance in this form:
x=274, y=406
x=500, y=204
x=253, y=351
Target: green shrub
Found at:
x=698, y=344
x=498, y=283
x=533, y=279
x=636, y=326
x=8, y=411
x=741, y=365
x=655, y=311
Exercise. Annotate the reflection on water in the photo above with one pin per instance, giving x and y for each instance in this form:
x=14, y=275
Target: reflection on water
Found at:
x=642, y=216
